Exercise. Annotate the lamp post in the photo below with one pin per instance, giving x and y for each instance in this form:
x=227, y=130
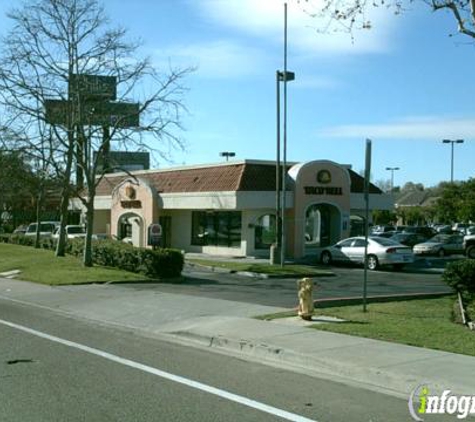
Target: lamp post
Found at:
x=392, y=170
x=452, y=142
x=282, y=76
x=227, y=154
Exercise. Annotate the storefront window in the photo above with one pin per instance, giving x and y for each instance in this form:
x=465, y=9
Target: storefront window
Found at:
x=264, y=232
x=221, y=228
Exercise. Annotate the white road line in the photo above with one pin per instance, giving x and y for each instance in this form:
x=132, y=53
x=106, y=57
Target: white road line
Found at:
x=176, y=378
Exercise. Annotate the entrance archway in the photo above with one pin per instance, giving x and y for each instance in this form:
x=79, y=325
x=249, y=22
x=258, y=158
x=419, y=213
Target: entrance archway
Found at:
x=130, y=229
x=322, y=225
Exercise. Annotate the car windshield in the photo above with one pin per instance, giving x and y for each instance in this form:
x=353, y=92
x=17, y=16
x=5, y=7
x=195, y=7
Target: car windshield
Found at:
x=31, y=228
x=384, y=241
x=440, y=238
x=75, y=230
x=46, y=227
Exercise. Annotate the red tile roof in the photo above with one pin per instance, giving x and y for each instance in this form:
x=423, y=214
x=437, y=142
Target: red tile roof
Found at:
x=243, y=176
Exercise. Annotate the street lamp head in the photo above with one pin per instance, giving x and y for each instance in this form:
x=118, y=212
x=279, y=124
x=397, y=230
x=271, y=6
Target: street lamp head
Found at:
x=285, y=76
x=227, y=154
x=450, y=141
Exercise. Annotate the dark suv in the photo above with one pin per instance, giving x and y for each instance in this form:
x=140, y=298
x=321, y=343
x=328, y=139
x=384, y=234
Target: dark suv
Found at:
x=425, y=231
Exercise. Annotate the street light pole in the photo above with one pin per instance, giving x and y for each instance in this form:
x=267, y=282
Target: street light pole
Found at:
x=278, y=221
x=287, y=76
x=452, y=142
x=392, y=169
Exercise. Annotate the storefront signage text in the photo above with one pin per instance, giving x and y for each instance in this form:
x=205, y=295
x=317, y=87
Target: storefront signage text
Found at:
x=318, y=190
x=131, y=204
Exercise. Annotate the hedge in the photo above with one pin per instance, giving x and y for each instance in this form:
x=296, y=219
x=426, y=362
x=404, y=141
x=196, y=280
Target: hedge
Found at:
x=460, y=275
x=159, y=263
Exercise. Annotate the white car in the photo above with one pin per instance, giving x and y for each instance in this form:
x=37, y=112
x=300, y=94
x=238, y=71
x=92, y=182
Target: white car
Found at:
x=381, y=251
x=47, y=228
x=72, y=231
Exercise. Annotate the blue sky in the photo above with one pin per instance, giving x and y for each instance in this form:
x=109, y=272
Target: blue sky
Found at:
x=406, y=84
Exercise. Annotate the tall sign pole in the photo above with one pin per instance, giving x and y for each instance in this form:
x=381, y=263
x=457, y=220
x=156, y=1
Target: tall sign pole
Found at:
x=278, y=220
x=284, y=152
x=367, y=175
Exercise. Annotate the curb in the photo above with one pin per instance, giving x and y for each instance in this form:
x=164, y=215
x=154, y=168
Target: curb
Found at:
x=251, y=274
x=382, y=380
x=330, y=302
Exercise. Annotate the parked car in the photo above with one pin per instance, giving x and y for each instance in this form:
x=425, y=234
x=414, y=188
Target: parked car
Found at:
x=441, y=245
x=381, y=251
x=444, y=229
x=470, y=230
x=20, y=229
x=427, y=231
x=47, y=228
x=460, y=227
x=72, y=231
x=385, y=234
x=408, y=239
x=378, y=230
x=469, y=245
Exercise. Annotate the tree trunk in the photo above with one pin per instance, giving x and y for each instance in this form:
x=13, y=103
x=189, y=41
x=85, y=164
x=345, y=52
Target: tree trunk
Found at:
x=89, y=227
x=65, y=196
x=39, y=205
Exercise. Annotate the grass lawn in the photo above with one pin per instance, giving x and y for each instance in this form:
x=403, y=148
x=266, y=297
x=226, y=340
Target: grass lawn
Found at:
x=287, y=270
x=41, y=266
x=424, y=323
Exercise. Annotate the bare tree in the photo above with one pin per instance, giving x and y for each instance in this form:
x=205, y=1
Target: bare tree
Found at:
x=353, y=14
x=55, y=50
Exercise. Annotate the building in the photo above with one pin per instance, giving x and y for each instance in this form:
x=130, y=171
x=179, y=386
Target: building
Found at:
x=228, y=208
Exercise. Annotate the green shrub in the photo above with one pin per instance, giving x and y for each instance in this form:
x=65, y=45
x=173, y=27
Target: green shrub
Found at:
x=160, y=263
x=460, y=275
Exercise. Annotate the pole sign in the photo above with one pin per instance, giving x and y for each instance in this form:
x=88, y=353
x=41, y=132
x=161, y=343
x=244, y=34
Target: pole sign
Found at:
x=56, y=112
x=94, y=87
x=366, y=223
x=95, y=113
x=154, y=235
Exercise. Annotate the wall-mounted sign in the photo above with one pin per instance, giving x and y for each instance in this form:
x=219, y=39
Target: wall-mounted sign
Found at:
x=324, y=177
x=319, y=190
x=130, y=192
x=131, y=204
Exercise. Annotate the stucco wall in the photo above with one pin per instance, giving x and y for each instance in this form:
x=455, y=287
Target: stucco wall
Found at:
x=102, y=219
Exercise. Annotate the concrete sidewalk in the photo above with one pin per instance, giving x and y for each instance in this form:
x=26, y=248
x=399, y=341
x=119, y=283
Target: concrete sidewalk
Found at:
x=228, y=326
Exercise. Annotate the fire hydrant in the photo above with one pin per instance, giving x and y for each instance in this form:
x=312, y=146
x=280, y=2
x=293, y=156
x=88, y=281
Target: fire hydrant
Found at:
x=305, y=287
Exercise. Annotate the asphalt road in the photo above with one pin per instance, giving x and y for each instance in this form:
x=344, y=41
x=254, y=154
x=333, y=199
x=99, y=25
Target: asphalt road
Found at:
x=55, y=368
x=347, y=282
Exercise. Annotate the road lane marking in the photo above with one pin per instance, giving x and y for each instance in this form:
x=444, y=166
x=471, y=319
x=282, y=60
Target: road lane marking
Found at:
x=166, y=375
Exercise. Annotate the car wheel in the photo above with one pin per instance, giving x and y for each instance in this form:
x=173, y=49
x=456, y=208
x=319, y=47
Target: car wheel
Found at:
x=326, y=258
x=441, y=253
x=372, y=262
x=471, y=252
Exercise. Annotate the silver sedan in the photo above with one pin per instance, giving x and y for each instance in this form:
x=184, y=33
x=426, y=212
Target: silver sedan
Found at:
x=440, y=245
x=381, y=251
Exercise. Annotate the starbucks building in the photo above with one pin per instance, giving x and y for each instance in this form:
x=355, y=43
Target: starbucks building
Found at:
x=229, y=208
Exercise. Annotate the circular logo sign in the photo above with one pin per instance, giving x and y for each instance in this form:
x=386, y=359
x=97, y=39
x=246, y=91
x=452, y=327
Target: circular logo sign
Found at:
x=130, y=192
x=324, y=177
